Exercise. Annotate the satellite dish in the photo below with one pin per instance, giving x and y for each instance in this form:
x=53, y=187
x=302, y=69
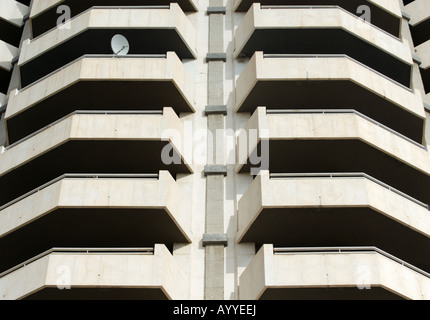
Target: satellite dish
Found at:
x=120, y=45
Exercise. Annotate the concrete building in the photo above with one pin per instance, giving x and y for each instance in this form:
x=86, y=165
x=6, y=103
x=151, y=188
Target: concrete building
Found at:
x=273, y=149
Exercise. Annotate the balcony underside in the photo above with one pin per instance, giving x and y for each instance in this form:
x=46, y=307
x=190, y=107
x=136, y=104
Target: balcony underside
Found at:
x=98, y=294
x=380, y=17
x=425, y=74
x=92, y=228
x=26, y=2
x=10, y=33
x=8, y=53
x=98, y=41
x=99, y=95
x=87, y=156
x=315, y=156
x=420, y=32
x=343, y=226
x=332, y=94
x=337, y=293
x=326, y=41
x=4, y=80
x=48, y=19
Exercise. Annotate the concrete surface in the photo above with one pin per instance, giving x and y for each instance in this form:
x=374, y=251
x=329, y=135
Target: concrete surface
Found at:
x=98, y=270
x=330, y=270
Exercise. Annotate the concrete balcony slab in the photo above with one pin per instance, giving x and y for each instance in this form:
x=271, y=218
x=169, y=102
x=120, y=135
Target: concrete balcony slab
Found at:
x=423, y=52
x=101, y=274
x=334, y=141
x=13, y=12
x=149, y=30
x=96, y=211
x=94, y=142
x=44, y=14
x=318, y=210
x=7, y=53
x=385, y=14
x=343, y=274
x=108, y=83
x=311, y=30
x=419, y=11
x=11, y=21
x=328, y=82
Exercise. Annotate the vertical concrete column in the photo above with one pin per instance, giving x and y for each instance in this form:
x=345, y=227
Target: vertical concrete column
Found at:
x=215, y=171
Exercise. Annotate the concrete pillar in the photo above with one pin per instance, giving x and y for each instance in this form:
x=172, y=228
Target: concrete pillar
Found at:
x=214, y=250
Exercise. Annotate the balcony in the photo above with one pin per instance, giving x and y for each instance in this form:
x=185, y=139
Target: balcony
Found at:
x=97, y=274
x=306, y=141
x=11, y=21
x=322, y=30
x=423, y=51
x=331, y=273
x=7, y=54
x=44, y=14
x=334, y=209
x=107, y=83
x=385, y=15
x=419, y=11
x=328, y=82
x=99, y=210
x=91, y=142
x=149, y=30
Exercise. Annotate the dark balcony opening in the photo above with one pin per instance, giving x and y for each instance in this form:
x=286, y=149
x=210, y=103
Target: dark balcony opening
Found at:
x=25, y=2
x=425, y=75
x=98, y=41
x=89, y=228
x=421, y=32
x=327, y=41
x=337, y=155
x=379, y=17
x=87, y=156
x=97, y=95
x=339, y=227
x=104, y=294
x=5, y=77
x=333, y=293
x=333, y=94
x=48, y=19
x=10, y=33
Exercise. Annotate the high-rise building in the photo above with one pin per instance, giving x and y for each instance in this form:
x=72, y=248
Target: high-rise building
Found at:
x=214, y=150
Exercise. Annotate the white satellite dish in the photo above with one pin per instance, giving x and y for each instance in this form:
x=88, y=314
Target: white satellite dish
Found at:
x=120, y=45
